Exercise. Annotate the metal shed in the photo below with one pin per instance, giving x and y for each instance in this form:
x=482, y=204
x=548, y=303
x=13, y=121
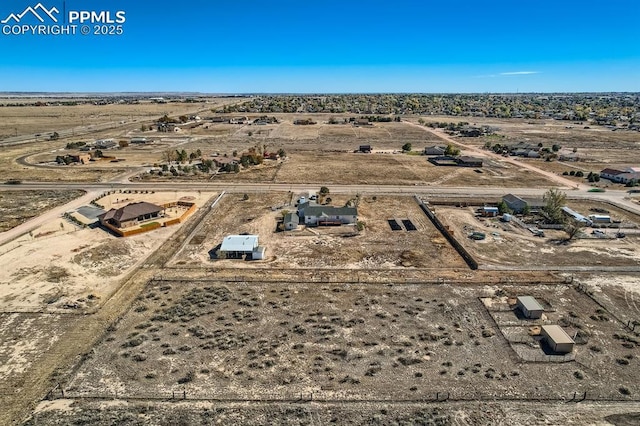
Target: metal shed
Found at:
x=530, y=307
x=557, y=339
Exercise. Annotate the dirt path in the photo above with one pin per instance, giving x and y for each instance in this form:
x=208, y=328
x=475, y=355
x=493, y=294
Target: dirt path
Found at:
x=47, y=217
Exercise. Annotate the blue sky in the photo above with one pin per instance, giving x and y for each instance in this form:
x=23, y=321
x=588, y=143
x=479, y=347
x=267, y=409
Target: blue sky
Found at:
x=225, y=46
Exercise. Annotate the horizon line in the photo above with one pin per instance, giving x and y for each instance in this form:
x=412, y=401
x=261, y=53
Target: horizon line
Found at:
x=284, y=93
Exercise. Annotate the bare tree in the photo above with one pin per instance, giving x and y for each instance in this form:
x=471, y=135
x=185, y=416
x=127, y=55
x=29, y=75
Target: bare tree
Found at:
x=572, y=228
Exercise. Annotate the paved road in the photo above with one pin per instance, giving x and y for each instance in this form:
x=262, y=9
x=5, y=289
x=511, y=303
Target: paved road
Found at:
x=618, y=198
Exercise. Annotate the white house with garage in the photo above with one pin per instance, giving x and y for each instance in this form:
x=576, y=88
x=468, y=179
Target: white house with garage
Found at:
x=314, y=215
x=242, y=247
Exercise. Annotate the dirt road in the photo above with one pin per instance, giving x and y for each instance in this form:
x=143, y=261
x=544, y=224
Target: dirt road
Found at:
x=47, y=217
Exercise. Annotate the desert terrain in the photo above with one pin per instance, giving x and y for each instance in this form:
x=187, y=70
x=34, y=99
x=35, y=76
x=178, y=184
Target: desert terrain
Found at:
x=380, y=321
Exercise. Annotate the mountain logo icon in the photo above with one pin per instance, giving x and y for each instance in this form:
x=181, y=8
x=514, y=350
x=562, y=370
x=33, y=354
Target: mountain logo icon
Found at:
x=38, y=11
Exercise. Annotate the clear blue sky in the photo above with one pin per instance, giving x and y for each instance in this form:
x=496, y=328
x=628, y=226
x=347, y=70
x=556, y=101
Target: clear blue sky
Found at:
x=230, y=46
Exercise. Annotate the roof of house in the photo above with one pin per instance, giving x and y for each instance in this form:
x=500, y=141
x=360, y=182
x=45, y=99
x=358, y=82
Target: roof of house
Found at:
x=330, y=211
x=530, y=303
x=435, y=148
x=131, y=211
x=239, y=243
x=291, y=217
x=629, y=176
x=219, y=159
x=468, y=159
x=557, y=334
x=612, y=172
x=513, y=199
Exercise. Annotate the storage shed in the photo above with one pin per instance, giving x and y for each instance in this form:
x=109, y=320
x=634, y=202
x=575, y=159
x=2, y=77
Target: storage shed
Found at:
x=600, y=218
x=529, y=306
x=291, y=221
x=557, y=339
x=258, y=253
x=490, y=211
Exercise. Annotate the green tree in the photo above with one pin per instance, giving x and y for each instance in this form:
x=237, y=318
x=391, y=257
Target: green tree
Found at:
x=451, y=151
x=554, y=201
x=324, y=190
x=406, y=147
x=555, y=147
x=282, y=153
x=504, y=208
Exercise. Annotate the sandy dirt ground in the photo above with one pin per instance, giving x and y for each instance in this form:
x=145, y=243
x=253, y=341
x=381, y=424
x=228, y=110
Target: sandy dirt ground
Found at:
x=361, y=341
x=17, y=207
x=508, y=245
x=61, y=267
x=62, y=412
x=377, y=246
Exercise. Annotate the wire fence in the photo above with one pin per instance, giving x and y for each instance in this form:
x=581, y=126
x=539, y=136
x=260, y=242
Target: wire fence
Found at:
x=417, y=396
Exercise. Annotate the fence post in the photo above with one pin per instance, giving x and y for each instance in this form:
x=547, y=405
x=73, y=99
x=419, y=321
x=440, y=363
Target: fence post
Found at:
x=184, y=394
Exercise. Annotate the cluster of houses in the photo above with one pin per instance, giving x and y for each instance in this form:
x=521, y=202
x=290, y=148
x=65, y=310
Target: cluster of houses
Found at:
x=626, y=176
x=101, y=144
x=263, y=120
x=553, y=336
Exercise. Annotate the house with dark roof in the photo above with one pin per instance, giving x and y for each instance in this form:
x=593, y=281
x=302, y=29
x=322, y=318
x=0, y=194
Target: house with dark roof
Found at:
x=519, y=205
x=621, y=176
x=435, y=150
x=466, y=161
x=611, y=174
x=131, y=215
x=315, y=215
